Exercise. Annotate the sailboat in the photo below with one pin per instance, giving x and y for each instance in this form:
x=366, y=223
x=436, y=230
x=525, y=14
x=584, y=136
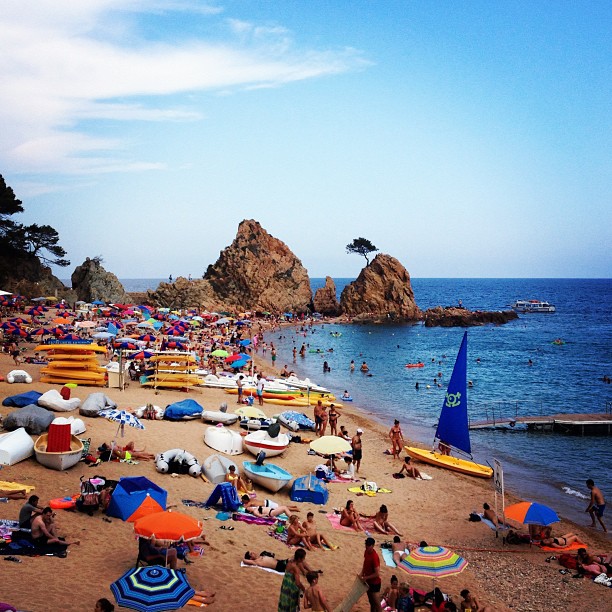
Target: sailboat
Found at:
x=453, y=430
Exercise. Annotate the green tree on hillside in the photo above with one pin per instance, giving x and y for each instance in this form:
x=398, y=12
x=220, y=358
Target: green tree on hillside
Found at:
x=19, y=241
x=361, y=246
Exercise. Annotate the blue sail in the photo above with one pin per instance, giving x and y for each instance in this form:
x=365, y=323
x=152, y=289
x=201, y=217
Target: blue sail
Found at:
x=453, y=424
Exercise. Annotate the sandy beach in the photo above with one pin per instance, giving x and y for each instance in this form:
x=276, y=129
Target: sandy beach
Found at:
x=503, y=577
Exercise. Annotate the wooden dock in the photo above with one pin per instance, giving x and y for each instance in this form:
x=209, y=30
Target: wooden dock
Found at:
x=571, y=424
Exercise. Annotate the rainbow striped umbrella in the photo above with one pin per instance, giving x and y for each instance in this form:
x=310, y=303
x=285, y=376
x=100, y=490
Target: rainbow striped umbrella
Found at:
x=434, y=561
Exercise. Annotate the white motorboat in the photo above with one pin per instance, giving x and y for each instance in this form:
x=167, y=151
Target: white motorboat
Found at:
x=216, y=416
x=216, y=467
x=305, y=384
x=224, y=440
x=532, y=306
x=58, y=460
x=258, y=441
x=15, y=446
x=267, y=475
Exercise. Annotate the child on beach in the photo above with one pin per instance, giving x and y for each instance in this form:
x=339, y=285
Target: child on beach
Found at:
x=313, y=595
x=310, y=527
x=391, y=594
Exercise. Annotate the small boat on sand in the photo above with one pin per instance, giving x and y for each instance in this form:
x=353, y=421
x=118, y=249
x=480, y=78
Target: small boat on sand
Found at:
x=216, y=416
x=58, y=460
x=267, y=475
x=258, y=441
x=223, y=440
x=216, y=467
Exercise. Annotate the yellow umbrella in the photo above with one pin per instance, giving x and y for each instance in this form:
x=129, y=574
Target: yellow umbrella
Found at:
x=330, y=445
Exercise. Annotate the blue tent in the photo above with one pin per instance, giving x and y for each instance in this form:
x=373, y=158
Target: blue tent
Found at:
x=130, y=493
x=185, y=409
x=21, y=400
x=226, y=492
x=309, y=489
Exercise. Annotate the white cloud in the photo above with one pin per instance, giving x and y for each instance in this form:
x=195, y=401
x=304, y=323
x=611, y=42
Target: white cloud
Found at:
x=66, y=62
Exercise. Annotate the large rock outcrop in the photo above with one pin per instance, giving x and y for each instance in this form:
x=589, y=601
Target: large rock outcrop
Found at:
x=381, y=292
x=184, y=293
x=461, y=317
x=258, y=271
x=90, y=281
x=325, y=300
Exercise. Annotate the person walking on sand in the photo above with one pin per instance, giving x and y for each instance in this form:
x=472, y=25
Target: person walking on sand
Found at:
x=260, y=389
x=357, y=447
x=597, y=504
x=370, y=574
x=397, y=439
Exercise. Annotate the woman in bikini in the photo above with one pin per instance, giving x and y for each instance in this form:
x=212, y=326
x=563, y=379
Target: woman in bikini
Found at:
x=333, y=420
x=267, y=511
x=397, y=439
x=350, y=517
x=235, y=479
x=562, y=541
x=296, y=534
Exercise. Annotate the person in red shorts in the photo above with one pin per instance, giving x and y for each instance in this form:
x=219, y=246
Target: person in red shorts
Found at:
x=370, y=573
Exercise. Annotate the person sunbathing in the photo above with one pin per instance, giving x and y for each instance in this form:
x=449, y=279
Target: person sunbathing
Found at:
x=107, y=452
x=44, y=530
x=381, y=522
x=589, y=563
x=21, y=494
x=310, y=527
x=410, y=469
x=235, y=479
x=350, y=517
x=267, y=512
x=561, y=541
x=203, y=597
x=251, y=558
x=490, y=515
x=296, y=534
x=267, y=503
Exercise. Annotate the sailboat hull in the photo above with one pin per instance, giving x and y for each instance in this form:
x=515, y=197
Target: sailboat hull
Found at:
x=450, y=463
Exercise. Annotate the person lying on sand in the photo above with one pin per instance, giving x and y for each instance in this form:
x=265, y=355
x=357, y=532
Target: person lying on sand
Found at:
x=44, y=530
x=266, y=503
x=21, y=494
x=204, y=597
x=561, y=541
x=106, y=452
x=278, y=565
x=590, y=563
x=490, y=515
x=267, y=512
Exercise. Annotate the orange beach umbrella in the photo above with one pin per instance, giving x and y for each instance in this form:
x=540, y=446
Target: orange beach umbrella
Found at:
x=168, y=525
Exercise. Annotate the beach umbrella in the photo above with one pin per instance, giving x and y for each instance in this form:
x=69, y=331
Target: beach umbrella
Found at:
x=41, y=331
x=7, y=325
x=61, y=321
x=147, y=338
x=250, y=412
x=168, y=525
x=16, y=331
x=123, y=418
x=85, y=324
x=70, y=337
x=220, y=353
x=330, y=445
x=145, y=325
x=434, y=561
x=103, y=335
x=141, y=355
x=222, y=321
x=531, y=513
x=17, y=320
x=98, y=303
x=152, y=589
x=245, y=342
x=234, y=357
x=240, y=364
x=175, y=345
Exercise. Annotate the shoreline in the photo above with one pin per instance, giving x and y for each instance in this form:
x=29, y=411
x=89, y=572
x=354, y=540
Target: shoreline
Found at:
x=433, y=510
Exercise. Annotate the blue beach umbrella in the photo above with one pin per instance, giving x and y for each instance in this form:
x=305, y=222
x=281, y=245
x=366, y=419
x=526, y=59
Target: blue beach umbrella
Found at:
x=531, y=513
x=152, y=589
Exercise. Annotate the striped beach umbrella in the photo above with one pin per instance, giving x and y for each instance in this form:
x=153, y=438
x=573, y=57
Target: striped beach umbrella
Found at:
x=531, y=513
x=152, y=589
x=433, y=561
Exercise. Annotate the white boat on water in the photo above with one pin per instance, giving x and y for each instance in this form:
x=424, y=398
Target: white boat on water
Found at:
x=259, y=441
x=223, y=440
x=216, y=467
x=532, y=306
x=58, y=460
x=267, y=475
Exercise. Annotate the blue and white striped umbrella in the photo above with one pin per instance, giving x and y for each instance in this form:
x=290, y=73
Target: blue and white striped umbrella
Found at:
x=152, y=589
x=122, y=417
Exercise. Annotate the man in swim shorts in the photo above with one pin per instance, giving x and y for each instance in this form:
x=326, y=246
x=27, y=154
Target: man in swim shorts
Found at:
x=597, y=504
x=356, y=445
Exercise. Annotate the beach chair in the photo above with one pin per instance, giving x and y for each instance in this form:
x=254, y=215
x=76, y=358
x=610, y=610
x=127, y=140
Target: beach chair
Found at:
x=146, y=556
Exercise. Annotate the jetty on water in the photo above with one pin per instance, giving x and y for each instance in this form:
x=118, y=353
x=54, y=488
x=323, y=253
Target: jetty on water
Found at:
x=581, y=424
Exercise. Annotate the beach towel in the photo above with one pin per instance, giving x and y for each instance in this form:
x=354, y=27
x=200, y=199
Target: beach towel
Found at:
x=491, y=524
x=387, y=555
x=15, y=486
x=265, y=569
x=257, y=520
x=366, y=523
x=359, y=490
x=572, y=546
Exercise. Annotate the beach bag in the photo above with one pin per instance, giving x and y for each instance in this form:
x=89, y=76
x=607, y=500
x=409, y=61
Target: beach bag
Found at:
x=369, y=486
x=89, y=499
x=474, y=517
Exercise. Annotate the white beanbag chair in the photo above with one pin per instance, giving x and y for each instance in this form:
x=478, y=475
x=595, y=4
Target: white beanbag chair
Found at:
x=178, y=461
x=52, y=400
x=18, y=376
x=94, y=403
x=77, y=426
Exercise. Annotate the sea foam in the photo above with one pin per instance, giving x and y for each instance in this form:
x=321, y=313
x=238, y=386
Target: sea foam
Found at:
x=570, y=491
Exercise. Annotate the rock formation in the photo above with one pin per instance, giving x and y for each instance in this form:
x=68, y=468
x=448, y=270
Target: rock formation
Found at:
x=461, y=317
x=325, y=300
x=258, y=271
x=381, y=292
x=183, y=293
x=90, y=281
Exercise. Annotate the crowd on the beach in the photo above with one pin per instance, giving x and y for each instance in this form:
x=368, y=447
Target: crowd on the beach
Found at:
x=301, y=584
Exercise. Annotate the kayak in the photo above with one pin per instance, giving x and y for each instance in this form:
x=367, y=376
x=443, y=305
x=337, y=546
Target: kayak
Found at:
x=448, y=462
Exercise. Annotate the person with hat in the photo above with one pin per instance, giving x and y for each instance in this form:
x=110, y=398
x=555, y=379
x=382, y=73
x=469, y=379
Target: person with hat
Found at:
x=357, y=449
x=370, y=574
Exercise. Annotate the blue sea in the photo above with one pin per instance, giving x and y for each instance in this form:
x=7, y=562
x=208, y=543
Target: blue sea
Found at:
x=566, y=378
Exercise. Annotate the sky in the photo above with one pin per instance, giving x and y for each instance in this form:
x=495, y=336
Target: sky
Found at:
x=466, y=139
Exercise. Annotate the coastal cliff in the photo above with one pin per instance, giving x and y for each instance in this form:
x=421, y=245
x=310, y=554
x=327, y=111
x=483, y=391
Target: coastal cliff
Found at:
x=90, y=282
x=381, y=292
x=258, y=271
